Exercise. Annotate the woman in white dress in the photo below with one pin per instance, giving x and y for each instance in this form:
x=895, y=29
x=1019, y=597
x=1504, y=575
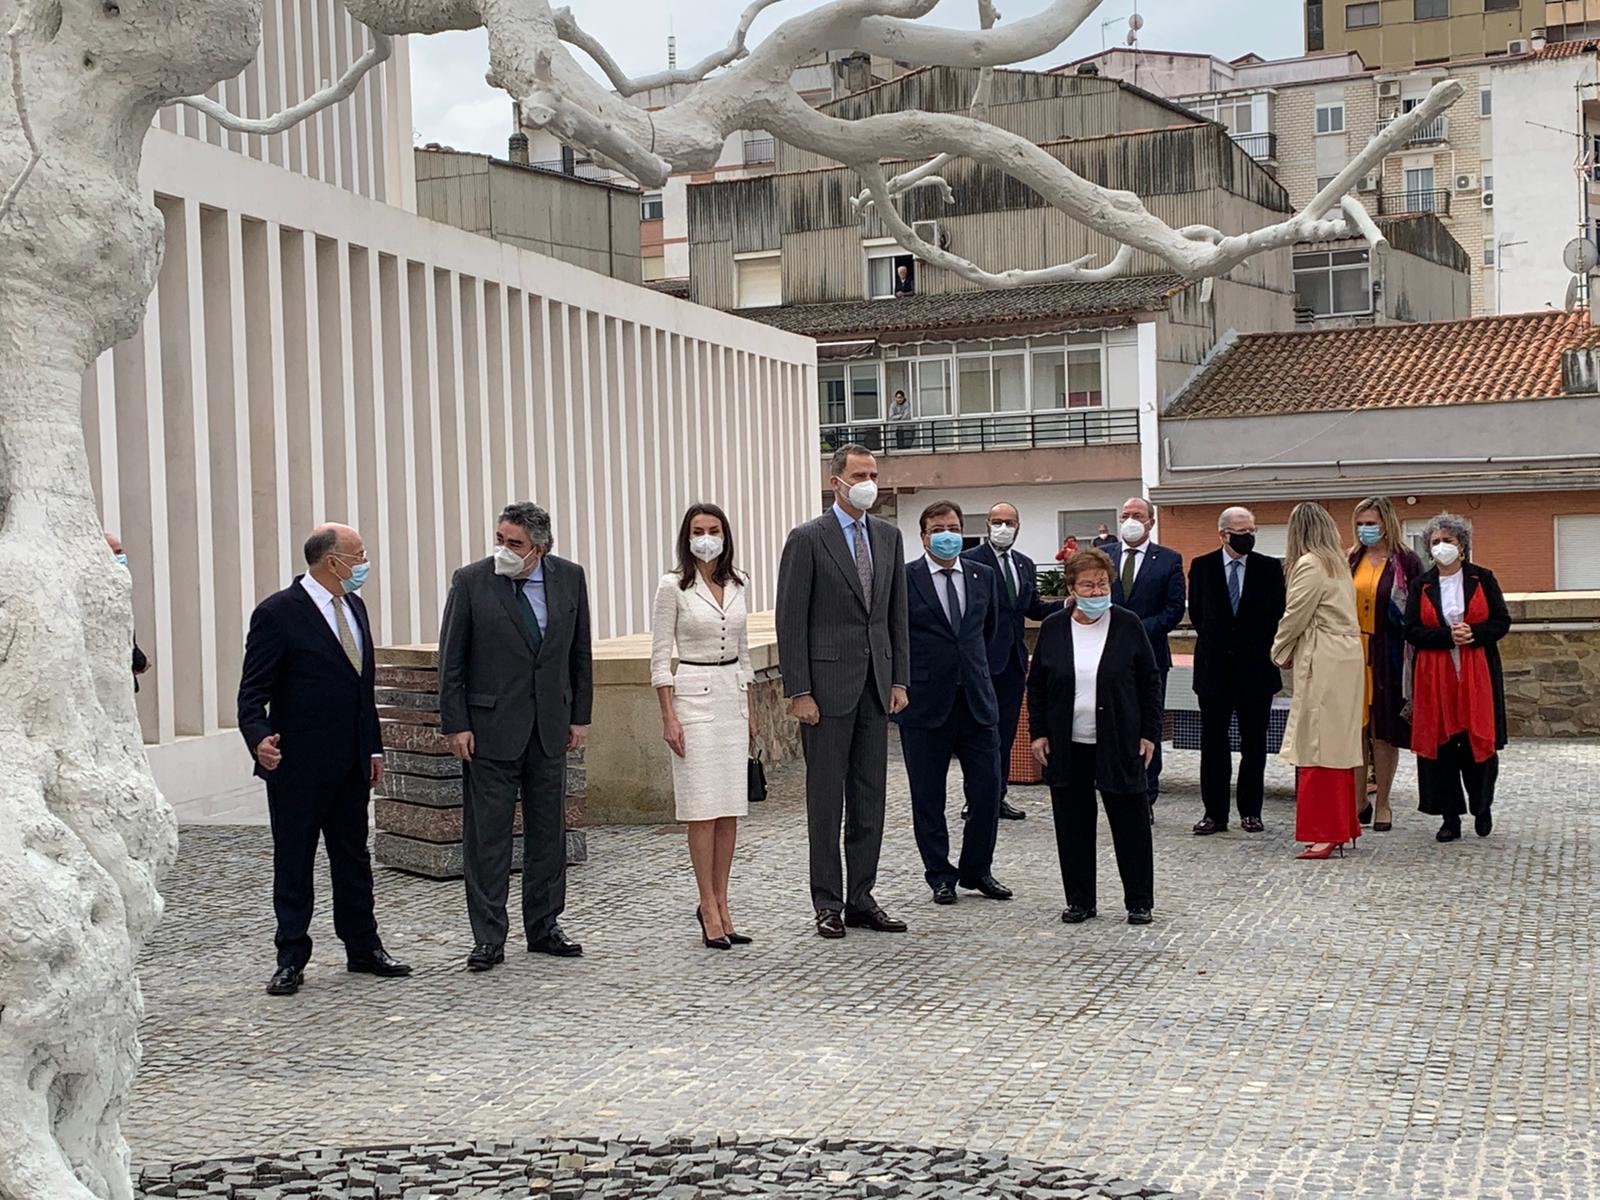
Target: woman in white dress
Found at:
x=707, y=719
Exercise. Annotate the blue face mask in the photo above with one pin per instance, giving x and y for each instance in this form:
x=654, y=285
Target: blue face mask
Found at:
x=358, y=576
x=122, y=560
x=945, y=545
x=1369, y=535
x=1093, y=607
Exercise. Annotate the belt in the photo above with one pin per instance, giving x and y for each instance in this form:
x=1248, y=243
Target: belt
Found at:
x=727, y=662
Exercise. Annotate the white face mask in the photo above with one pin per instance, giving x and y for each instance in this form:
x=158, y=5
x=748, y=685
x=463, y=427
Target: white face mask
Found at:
x=863, y=495
x=707, y=548
x=1002, y=536
x=509, y=562
x=1445, y=553
x=1132, y=531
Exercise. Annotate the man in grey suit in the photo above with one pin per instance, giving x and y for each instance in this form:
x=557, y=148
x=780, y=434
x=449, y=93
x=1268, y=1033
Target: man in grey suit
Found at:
x=516, y=686
x=844, y=648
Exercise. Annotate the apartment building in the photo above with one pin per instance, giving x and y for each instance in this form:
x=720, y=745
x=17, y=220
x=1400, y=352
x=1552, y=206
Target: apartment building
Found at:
x=1389, y=34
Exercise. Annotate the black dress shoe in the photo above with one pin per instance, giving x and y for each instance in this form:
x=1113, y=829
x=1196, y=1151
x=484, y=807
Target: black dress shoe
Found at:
x=1365, y=815
x=737, y=939
x=828, y=924
x=1484, y=823
x=1139, y=916
x=1382, y=826
x=486, y=956
x=557, y=943
x=1073, y=914
x=990, y=887
x=876, y=919
x=945, y=893
x=1205, y=827
x=377, y=962
x=1448, y=833
x=964, y=811
x=286, y=981
x=1252, y=825
x=1010, y=812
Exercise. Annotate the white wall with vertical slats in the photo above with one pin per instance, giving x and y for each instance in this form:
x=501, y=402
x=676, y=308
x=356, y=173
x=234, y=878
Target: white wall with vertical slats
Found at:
x=312, y=354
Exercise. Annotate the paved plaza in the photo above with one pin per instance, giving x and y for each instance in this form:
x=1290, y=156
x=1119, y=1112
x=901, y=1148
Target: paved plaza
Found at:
x=1414, y=1021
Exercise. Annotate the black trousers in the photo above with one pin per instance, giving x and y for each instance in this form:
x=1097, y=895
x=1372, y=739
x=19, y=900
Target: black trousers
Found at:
x=1076, y=813
x=1009, y=687
x=928, y=753
x=1216, y=753
x=1152, y=773
x=1441, y=781
x=490, y=795
x=337, y=813
x=847, y=773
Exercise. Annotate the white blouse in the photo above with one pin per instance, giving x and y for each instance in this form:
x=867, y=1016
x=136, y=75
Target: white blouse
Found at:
x=1088, y=647
x=701, y=629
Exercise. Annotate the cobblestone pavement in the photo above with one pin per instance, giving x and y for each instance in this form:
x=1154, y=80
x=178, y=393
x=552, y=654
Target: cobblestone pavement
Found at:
x=1416, y=1020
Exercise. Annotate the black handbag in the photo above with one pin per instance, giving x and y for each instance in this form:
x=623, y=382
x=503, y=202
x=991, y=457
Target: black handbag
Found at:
x=758, y=778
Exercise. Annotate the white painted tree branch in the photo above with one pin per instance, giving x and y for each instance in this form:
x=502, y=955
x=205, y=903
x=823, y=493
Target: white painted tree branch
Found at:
x=571, y=32
x=19, y=97
x=375, y=56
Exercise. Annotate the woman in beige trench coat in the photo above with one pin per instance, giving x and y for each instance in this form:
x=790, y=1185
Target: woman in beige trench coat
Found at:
x=1321, y=639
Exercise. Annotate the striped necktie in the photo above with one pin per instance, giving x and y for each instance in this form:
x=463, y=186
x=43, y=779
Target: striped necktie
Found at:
x=346, y=638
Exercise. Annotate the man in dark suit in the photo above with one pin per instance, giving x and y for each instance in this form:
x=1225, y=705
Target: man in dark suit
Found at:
x=516, y=686
x=1148, y=579
x=952, y=613
x=1236, y=598
x=307, y=714
x=140, y=662
x=844, y=652
x=1017, y=589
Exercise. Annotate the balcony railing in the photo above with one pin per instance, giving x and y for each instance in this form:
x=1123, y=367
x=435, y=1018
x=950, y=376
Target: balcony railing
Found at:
x=1427, y=134
x=1433, y=200
x=760, y=150
x=1263, y=147
x=1009, y=431
x=580, y=170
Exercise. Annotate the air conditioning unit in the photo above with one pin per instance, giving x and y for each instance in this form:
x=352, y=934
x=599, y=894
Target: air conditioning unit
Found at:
x=932, y=232
x=1369, y=183
x=1488, y=199
x=1517, y=46
x=1466, y=183
x=1389, y=90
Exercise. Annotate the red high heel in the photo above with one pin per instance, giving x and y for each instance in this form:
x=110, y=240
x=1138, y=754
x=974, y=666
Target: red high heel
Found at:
x=1325, y=852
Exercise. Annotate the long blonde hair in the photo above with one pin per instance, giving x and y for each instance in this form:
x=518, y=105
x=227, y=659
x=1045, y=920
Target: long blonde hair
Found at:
x=1312, y=531
x=1387, y=522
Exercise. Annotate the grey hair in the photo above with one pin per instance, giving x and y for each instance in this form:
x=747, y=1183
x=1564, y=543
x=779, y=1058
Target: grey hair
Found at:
x=841, y=457
x=1456, y=527
x=320, y=544
x=534, y=520
x=1228, y=514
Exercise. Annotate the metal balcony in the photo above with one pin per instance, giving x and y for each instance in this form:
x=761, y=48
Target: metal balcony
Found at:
x=1263, y=147
x=1000, y=431
x=760, y=150
x=1429, y=133
x=1433, y=200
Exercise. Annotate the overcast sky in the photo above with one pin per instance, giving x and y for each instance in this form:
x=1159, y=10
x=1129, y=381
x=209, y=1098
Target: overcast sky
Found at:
x=453, y=105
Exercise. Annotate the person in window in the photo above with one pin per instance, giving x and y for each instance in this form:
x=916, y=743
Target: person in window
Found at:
x=903, y=284
x=1455, y=618
x=1385, y=571
x=899, y=414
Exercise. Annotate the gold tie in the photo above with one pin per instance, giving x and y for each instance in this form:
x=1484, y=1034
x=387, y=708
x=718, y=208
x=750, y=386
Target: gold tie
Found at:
x=346, y=638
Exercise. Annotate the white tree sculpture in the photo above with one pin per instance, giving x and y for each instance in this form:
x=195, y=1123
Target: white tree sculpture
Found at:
x=84, y=834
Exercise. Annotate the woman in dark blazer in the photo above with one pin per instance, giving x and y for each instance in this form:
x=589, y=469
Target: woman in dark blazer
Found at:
x=1455, y=617
x=1094, y=705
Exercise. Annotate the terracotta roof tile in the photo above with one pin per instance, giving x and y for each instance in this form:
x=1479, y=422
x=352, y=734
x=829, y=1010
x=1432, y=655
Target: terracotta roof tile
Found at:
x=1566, y=49
x=1388, y=366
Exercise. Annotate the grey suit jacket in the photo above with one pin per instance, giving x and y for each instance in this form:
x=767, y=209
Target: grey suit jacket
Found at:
x=490, y=681
x=829, y=638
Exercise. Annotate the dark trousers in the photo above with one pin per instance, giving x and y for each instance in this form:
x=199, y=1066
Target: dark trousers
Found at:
x=337, y=813
x=847, y=772
x=1009, y=687
x=1076, y=814
x=490, y=793
x=1442, y=780
x=927, y=754
x=1216, y=754
x=1152, y=773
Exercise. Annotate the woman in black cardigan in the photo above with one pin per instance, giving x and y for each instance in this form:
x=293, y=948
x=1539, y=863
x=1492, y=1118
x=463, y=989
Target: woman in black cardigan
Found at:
x=1094, y=704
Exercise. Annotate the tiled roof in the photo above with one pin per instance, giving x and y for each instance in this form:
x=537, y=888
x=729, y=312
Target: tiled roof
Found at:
x=1388, y=366
x=1566, y=49
x=951, y=312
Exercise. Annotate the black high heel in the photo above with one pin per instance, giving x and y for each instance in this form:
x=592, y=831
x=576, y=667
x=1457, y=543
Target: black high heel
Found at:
x=712, y=943
x=738, y=939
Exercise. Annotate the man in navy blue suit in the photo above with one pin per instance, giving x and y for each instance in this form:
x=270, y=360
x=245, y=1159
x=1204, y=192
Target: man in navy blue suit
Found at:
x=1148, y=579
x=1017, y=586
x=952, y=711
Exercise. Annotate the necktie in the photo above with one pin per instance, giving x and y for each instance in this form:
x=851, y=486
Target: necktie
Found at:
x=863, y=561
x=1011, y=579
x=530, y=619
x=346, y=638
x=1130, y=563
x=952, y=602
x=1234, y=585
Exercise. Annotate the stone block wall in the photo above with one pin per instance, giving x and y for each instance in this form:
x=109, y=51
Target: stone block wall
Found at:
x=418, y=807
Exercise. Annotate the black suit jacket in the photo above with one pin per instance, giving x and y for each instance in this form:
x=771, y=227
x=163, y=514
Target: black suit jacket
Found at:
x=944, y=660
x=1010, y=642
x=1233, y=653
x=1486, y=634
x=490, y=680
x=297, y=683
x=1158, y=595
x=1128, y=701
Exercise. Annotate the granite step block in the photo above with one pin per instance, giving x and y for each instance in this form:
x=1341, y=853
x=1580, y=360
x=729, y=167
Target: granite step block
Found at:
x=407, y=716
x=442, y=860
x=418, y=739
x=413, y=679
x=426, y=823
x=430, y=766
x=424, y=657
x=393, y=697
x=422, y=789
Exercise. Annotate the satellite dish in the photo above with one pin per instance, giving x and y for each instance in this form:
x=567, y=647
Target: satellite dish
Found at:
x=1133, y=37
x=1136, y=22
x=1581, y=256
x=1573, y=290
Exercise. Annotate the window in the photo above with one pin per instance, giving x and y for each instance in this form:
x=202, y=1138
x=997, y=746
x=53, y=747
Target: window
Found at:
x=1334, y=283
x=1500, y=5
x=1488, y=251
x=1324, y=180
x=1085, y=382
x=864, y=392
x=1314, y=38
x=1330, y=118
x=1578, y=553
x=1360, y=16
x=1485, y=102
x=758, y=281
x=831, y=395
x=848, y=393
x=651, y=207
x=1237, y=113
x=933, y=387
x=1486, y=170
x=759, y=148
x=1430, y=10
x=1420, y=194
x=883, y=273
